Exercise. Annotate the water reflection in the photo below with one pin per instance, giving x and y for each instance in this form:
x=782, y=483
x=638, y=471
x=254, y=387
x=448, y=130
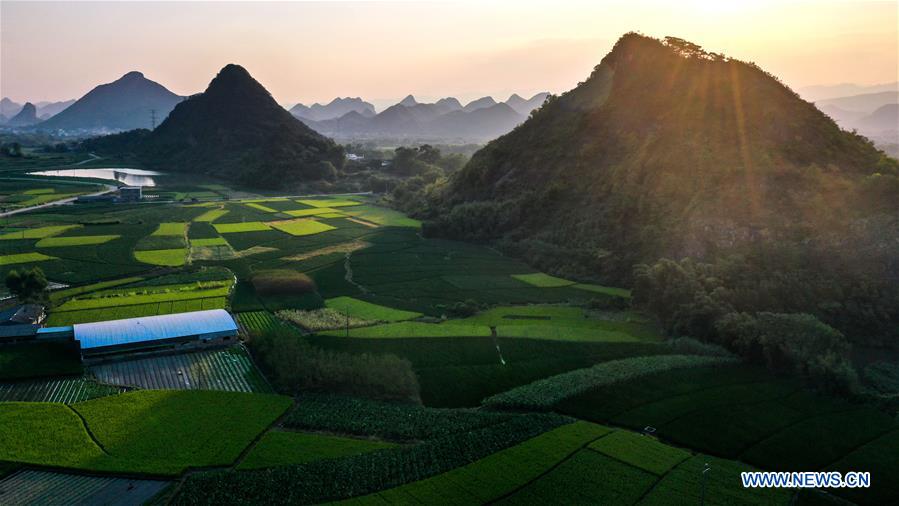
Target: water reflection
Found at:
x=131, y=177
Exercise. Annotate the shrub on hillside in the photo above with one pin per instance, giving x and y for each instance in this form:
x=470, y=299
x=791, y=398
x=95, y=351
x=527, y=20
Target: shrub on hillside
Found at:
x=690, y=346
x=797, y=343
x=293, y=365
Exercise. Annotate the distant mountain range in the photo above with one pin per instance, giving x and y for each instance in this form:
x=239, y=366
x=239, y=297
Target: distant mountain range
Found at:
x=334, y=109
x=234, y=130
x=44, y=109
x=124, y=104
x=447, y=119
x=873, y=115
x=27, y=116
x=826, y=92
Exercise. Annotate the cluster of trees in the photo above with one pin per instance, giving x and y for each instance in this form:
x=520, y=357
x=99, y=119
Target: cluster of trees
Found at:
x=424, y=170
x=11, y=150
x=294, y=365
x=774, y=310
x=28, y=285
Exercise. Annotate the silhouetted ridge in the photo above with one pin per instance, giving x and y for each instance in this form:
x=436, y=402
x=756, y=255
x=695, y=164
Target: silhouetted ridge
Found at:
x=235, y=130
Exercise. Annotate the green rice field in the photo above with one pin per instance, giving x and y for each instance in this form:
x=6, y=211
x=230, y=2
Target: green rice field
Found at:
x=301, y=227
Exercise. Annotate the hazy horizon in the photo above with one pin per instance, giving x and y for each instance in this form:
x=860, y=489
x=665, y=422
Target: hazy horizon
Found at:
x=383, y=51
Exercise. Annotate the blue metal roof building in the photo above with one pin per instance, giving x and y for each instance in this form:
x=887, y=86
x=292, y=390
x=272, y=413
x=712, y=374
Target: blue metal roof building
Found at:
x=154, y=331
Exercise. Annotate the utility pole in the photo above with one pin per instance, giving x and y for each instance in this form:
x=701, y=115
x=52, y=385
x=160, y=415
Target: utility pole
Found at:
x=705, y=470
x=152, y=119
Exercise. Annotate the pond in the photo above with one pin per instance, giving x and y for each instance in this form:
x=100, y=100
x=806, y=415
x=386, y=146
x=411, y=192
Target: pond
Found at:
x=131, y=177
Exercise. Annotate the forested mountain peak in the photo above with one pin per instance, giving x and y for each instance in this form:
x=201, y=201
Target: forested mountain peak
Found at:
x=664, y=150
x=236, y=130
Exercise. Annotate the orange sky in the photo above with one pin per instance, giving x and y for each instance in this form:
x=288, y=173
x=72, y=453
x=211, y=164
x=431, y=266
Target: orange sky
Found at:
x=384, y=50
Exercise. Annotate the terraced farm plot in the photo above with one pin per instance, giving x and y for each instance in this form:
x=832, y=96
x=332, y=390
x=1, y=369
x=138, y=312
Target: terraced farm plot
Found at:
x=136, y=310
x=280, y=448
x=40, y=488
x=587, y=477
x=264, y=201
x=344, y=247
x=879, y=458
x=332, y=215
x=260, y=207
x=229, y=370
x=234, y=228
x=605, y=290
x=367, y=311
x=177, y=429
x=57, y=295
x=544, y=394
x=62, y=389
x=136, y=301
x=382, y=216
x=315, y=211
x=45, y=433
x=213, y=241
x=683, y=485
x=259, y=321
x=640, y=451
x=413, y=329
x=494, y=476
x=24, y=258
x=543, y=280
x=164, y=257
x=83, y=240
x=137, y=295
x=211, y=215
x=834, y=435
x=301, y=227
x=171, y=229
x=329, y=203
x=161, y=242
x=36, y=233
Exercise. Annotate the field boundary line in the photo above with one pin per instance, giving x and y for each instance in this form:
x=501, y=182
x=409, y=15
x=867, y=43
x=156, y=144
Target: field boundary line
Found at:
x=723, y=405
x=789, y=426
x=88, y=430
x=547, y=470
x=858, y=447
x=660, y=478
x=246, y=451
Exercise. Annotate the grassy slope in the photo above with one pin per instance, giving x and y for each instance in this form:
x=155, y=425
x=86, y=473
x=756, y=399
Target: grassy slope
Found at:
x=149, y=431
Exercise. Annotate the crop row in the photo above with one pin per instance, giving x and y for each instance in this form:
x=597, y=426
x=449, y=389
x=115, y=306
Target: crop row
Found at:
x=228, y=370
x=63, y=389
x=361, y=474
x=348, y=415
x=132, y=299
